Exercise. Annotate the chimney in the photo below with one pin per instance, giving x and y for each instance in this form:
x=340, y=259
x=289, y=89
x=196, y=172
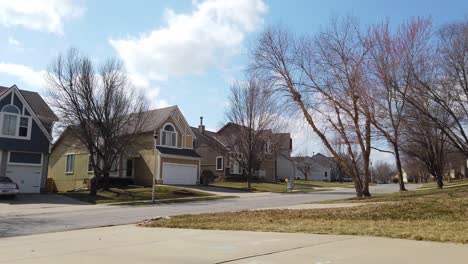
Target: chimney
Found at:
x=201, y=127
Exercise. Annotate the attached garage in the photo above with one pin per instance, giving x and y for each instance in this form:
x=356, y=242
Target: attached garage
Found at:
x=25, y=169
x=183, y=174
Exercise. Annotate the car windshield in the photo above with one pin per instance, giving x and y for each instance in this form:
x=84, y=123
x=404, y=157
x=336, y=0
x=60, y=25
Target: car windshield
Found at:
x=5, y=180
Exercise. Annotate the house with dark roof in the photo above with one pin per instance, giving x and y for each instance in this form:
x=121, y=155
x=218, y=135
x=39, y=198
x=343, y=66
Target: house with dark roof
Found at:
x=216, y=150
x=170, y=157
x=26, y=124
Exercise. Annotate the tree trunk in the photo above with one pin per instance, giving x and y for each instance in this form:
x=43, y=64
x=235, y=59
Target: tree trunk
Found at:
x=106, y=181
x=440, y=181
x=399, y=168
x=358, y=188
x=305, y=176
x=93, y=186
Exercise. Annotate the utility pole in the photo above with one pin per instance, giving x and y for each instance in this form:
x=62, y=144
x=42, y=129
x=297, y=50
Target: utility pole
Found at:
x=153, y=186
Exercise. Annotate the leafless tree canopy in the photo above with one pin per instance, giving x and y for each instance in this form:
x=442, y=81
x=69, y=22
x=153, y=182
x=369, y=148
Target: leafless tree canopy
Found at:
x=323, y=77
x=439, y=76
x=352, y=85
x=383, y=171
x=253, y=115
x=99, y=107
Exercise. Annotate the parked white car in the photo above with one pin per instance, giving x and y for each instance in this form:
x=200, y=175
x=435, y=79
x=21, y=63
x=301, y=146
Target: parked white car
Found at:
x=8, y=187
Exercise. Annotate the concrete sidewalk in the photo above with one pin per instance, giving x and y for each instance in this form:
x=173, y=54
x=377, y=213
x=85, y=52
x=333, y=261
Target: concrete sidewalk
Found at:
x=131, y=244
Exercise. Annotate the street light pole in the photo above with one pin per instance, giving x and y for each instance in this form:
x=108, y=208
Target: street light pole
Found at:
x=153, y=186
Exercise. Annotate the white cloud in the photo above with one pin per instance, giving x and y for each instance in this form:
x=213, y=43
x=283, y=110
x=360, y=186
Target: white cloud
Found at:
x=34, y=79
x=41, y=15
x=14, y=42
x=191, y=43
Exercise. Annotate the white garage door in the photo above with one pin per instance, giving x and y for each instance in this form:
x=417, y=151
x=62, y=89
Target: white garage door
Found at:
x=25, y=170
x=179, y=174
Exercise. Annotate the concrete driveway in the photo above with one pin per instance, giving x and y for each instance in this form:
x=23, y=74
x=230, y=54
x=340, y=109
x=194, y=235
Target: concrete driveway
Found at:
x=29, y=203
x=131, y=244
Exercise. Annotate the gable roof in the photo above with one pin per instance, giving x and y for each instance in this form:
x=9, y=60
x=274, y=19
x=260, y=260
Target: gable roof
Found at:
x=27, y=105
x=155, y=118
x=208, y=136
x=37, y=103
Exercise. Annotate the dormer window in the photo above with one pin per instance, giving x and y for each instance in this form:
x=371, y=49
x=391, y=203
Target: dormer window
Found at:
x=169, y=136
x=14, y=124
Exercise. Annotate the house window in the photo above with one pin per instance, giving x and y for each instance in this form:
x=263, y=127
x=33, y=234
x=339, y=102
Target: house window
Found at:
x=90, y=165
x=219, y=163
x=13, y=123
x=235, y=168
x=70, y=163
x=169, y=136
x=326, y=174
x=25, y=158
x=11, y=109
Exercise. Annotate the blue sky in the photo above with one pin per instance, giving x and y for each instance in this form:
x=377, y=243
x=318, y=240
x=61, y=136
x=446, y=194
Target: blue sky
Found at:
x=179, y=52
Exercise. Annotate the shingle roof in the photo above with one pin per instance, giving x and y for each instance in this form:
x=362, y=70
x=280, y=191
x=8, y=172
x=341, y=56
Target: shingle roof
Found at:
x=154, y=118
x=208, y=136
x=178, y=152
x=38, y=105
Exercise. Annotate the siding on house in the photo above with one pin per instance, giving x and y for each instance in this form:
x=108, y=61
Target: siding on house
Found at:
x=143, y=156
x=57, y=162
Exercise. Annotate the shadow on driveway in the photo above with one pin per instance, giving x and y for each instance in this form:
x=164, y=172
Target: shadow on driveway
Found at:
x=44, y=199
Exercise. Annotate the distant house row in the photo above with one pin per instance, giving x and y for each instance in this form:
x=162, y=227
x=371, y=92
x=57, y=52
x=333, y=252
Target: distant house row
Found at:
x=183, y=154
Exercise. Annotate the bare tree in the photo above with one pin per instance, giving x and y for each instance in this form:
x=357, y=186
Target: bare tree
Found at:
x=253, y=114
x=323, y=77
x=101, y=108
x=426, y=142
x=383, y=171
x=440, y=73
x=415, y=169
x=390, y=77
x=303, y=164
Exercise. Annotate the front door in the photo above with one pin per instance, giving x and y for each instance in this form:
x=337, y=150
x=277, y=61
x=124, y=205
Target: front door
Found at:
x=129, y=168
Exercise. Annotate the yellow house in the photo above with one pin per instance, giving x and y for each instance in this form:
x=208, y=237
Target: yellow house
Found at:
x=172, y=161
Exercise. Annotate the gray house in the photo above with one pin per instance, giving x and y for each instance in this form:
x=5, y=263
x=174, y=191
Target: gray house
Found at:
x=318, y=167
x=26, y=123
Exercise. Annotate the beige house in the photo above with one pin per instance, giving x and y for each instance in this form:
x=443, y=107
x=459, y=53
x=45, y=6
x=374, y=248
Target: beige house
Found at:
x=216, y=153
x=173, y=161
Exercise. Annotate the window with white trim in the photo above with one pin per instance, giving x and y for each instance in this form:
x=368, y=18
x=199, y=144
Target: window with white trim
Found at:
x=169, y=136
x=219, y=163
x=70, y=166
x=235, y=168
x=90, y=164
x=14, y=124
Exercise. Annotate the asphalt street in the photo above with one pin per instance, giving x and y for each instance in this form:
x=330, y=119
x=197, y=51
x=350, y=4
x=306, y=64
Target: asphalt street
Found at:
x=76, y=217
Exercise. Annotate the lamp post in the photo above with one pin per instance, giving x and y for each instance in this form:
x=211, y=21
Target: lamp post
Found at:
x=153, y=186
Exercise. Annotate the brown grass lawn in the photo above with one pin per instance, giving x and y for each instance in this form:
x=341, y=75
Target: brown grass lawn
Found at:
x=436, y=215
x=265, y=187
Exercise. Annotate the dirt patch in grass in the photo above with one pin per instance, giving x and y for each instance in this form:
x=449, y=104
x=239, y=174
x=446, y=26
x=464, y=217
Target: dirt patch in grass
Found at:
x=437, y=216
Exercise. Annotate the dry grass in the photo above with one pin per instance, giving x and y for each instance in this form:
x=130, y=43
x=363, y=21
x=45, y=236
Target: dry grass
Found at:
x=264, y=187
x=435, y=216
x=324, y=184
x=125, y=194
